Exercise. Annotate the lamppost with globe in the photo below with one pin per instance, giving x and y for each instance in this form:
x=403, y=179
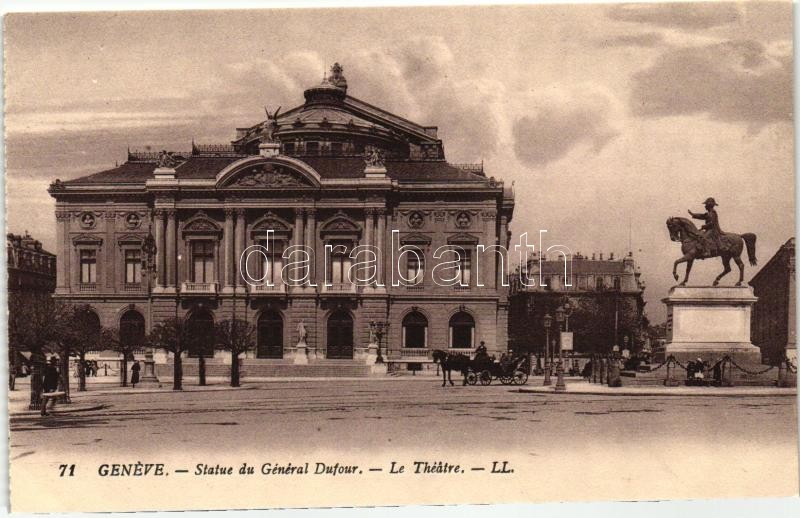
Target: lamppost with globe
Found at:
x=547, y=320
x=379, y=329
x=562, y=315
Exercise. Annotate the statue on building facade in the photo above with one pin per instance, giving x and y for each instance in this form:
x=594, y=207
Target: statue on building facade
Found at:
x=166, y=160
x=302, y=333
x=709, y=241
x=373, y=157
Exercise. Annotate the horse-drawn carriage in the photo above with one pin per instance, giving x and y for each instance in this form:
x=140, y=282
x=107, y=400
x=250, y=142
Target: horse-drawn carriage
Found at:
x=513, y=371
x=483, y=368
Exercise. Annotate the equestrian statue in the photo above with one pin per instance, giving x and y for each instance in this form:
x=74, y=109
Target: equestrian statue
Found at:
x=709, y=241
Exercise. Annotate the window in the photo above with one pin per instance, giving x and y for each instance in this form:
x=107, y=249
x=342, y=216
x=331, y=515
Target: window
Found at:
x=600, y=284
x=617, y=283
x=271, y=266
x=133, y=266
x=288, y=148
x=462, y=329
x=312, y=148
x=415, y=330
x=203, y=261
x=465, y=267
x=88, y=266
x=416, y=266
x=336, y=148
x=339, y=264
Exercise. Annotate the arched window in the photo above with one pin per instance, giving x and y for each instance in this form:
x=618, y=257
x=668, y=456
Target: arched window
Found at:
x=200, y=331
x=131, y=330
x=270, y=335
x=415, y=330
x=462, y=330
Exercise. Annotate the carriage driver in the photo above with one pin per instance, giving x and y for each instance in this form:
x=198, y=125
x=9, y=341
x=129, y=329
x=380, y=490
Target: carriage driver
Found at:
x=711, y=227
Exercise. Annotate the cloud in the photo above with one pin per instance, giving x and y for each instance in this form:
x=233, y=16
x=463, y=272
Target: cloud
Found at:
x=649, y=39
x=560, y=121
x=734, y=81
x=687, y=16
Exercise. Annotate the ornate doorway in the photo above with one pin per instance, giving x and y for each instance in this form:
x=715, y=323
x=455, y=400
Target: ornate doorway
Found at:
x=340, y=335
x=270, y=335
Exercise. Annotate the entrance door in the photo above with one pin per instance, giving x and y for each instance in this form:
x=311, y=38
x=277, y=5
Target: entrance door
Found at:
x=340, y=336
x=270, y=335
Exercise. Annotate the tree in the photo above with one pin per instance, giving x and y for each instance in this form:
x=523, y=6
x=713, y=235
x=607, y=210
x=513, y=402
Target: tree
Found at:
x=111, y=337
x=31, y=329
x=236, y=336
x=170, y=335
x=79, y=332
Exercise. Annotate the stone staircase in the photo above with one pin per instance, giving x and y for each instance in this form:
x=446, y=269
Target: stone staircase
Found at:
x=274, y=369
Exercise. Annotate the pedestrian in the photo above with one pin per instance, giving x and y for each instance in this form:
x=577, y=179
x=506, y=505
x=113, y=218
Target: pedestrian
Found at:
x=50, y=383
x=135, y=374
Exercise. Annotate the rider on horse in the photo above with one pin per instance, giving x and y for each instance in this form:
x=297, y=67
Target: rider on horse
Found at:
x=712, y=242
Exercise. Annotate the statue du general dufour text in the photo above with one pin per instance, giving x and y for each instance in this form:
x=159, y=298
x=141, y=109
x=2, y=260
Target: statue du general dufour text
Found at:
x=709, y=241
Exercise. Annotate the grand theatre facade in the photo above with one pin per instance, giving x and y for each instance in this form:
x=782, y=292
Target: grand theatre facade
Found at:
x=333, y=171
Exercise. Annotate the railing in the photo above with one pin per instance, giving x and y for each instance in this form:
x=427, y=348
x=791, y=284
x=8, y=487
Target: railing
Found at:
x=341, y=287
x=466, y=352
x=415, y=287
x=415, y=353
x=215, y=150
x=458, y=287
x=153, y=156
x=257, y=289
x=87, y=287
x=132, y=287
x=470, y=168
x=199, y=287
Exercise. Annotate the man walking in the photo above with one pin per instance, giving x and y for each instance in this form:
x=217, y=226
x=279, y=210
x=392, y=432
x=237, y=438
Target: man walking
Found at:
x=50, y=384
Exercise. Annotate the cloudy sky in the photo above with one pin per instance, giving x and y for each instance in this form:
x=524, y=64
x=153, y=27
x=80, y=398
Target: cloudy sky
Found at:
x=607, y=118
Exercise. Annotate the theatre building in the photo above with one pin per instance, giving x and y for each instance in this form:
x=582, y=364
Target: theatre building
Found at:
x=333, y=171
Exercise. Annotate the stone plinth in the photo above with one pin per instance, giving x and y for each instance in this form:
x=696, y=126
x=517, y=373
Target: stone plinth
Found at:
x=300, y=353
x=710, y=322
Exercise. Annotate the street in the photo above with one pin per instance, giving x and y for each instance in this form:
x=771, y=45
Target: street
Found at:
x=635, y=446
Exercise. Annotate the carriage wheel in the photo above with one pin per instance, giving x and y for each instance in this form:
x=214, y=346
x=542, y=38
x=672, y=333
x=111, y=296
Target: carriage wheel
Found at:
x=472, y=378
x=485, y=378
x=520, y=378
x=505, y=380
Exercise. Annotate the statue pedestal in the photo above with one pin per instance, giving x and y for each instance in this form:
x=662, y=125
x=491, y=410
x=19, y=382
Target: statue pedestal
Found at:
x=710, y=322
x=148, y=376
x=371, y=354
x=300, y=354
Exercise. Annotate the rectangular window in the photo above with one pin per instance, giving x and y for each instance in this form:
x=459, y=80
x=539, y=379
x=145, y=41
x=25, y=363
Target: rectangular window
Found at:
x=88, y=266
x=312, y=148
x=617, y=283
x=416, y=266
x=600, y=284
x=271, y=267
x=133, y=266
x=203, y=261
x=465, y=269
x=340, y=264
x=288, y=148
x=336, y=148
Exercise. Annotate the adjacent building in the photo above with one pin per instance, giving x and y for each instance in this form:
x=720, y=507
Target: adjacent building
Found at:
x=330, y=175
x=773, y=325
x=605, y=294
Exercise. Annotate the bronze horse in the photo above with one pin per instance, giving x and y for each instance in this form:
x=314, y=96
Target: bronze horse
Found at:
x=692, y=239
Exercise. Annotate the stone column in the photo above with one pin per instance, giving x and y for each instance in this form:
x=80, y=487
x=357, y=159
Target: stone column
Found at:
x=298, y=239
x=369, y=239
x=239, y=245
x=160, y=250
x=170, y=255
x=311, y=241
x=62, y=233
x=502, y=241
x=110, y=266
x=380, y=242
x=230, y=259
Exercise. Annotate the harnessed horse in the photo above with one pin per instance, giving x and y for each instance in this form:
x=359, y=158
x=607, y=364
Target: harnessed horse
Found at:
x=450, y=362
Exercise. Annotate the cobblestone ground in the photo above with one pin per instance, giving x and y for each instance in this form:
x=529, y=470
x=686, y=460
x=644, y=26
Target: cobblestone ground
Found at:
x=633, y=438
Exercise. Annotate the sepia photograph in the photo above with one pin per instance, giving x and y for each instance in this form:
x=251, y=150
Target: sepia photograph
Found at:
x=390, y=256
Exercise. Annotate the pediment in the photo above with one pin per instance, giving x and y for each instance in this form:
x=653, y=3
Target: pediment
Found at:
x=415, y=238
x=271, y=221
x=201, y=223
x=87, y=239
x=462, y=239
x=130, y=239
x=341, y=223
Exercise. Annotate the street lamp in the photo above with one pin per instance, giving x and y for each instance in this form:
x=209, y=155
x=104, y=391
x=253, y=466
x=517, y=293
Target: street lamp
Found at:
x=547, y=320
x=379, y=329
x=560, y=386
x=149, y=250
